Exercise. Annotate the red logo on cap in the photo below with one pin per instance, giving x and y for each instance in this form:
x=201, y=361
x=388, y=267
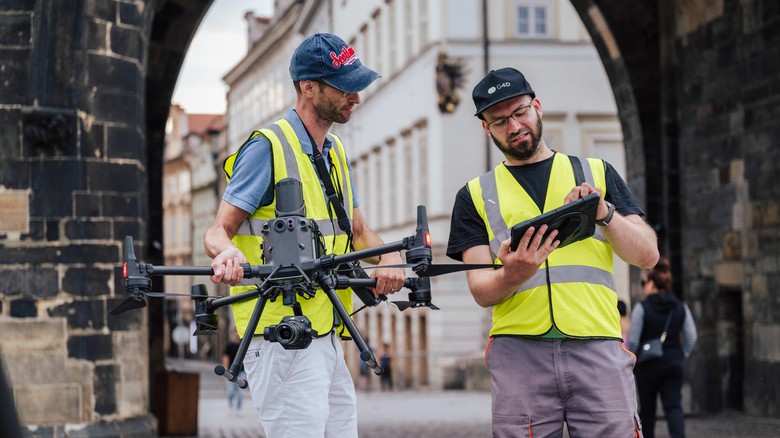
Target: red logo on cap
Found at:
x=346, y=57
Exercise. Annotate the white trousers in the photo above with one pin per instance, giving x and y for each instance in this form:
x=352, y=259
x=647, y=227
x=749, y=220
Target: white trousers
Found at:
x=302, y=393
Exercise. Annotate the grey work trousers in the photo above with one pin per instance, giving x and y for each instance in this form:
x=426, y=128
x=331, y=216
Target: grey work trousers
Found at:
x=538, y=384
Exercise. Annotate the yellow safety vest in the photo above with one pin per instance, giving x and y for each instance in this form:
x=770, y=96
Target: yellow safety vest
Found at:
x=290, y=161
x=574, y=291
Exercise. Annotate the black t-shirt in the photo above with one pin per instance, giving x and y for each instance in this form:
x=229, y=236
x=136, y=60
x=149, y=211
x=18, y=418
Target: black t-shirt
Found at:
x=467, y=229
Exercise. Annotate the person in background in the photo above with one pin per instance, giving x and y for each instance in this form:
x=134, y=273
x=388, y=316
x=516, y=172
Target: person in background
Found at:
x=555, y=354
x=234, y=392
x=386, y=361
x=625, y=321
x=663, y=375
x=307, y=392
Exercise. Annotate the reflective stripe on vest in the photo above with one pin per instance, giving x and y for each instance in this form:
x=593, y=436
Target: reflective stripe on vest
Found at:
x=575, y=288
x=289, y=160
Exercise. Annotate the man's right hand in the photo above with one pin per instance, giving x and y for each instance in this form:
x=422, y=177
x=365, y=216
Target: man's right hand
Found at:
x=227, y=266
x=531, y=252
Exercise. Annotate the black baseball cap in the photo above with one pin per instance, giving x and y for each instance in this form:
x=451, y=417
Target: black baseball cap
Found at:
x=498, y=86
x=327, y=58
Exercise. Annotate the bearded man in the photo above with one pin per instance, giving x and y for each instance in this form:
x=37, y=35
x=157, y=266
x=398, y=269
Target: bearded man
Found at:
x=555, y=353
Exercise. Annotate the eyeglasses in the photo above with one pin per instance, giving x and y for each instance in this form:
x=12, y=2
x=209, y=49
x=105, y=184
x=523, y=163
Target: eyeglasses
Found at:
x=502, y=122
x=343, y=93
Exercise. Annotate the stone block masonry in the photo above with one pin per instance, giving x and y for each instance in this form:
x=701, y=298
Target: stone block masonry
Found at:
x=72, y=185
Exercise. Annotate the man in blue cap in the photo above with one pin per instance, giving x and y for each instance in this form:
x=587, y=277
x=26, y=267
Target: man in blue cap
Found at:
x=306, y=392
x=555, y=353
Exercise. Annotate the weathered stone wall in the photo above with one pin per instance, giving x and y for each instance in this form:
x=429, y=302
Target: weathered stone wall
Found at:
x=72, y=171
x=698, y=86
x=726, y=62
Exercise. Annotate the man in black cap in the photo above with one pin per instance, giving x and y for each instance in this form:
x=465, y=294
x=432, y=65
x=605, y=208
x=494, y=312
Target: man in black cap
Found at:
x=555, y=353
x=307, y=392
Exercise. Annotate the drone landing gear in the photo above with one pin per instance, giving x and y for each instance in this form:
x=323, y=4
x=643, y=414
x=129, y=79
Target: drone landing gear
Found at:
x=266, y=292
x=328, y=284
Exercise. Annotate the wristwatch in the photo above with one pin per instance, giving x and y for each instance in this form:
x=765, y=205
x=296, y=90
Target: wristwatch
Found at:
x=610, y=212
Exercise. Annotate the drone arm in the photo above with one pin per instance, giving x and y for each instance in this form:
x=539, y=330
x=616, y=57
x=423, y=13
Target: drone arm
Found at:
x=331, y=261
x=250, y=271
x=232, y=299
x=343, y=282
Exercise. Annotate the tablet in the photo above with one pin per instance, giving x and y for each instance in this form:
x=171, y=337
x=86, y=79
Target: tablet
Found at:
x=574, y=221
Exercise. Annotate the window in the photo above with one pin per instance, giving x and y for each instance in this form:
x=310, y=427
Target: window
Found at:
x=409, y=35
x=379, y=175
x=422, y=162
x=409, y=170
x=391, y=36
x=423, y=17
x=393, y=175
x=184, y=182
x=532, y=19
x=379, y=47
x=365, y=52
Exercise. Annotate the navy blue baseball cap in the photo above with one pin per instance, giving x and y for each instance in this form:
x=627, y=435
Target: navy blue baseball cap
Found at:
x=327, y=58
x=498, y=86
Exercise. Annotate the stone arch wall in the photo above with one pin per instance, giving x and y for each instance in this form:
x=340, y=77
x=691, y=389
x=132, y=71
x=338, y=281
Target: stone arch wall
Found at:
x=86, y=86
x=697, y=86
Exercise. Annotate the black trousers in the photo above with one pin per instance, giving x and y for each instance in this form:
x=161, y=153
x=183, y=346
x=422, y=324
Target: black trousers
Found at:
x=664, y=377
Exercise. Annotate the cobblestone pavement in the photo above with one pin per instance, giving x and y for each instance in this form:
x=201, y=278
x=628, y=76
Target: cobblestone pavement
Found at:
x=444, y=414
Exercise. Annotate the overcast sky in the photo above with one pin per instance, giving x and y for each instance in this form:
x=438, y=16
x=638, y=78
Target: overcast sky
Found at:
x=218, y=45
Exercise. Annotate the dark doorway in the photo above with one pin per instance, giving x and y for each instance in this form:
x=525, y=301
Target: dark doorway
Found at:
x=731, y=346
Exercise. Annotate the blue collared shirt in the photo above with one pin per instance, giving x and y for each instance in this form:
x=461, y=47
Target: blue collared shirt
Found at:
x=251, y=185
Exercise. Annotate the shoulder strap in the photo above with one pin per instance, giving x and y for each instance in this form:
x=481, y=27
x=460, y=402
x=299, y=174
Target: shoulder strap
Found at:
x=227, y=163
x=666, y=326
x=330, y=191
x=576, y=165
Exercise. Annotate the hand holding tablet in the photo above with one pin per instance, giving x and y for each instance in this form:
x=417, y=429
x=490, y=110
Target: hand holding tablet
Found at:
x=574, y=221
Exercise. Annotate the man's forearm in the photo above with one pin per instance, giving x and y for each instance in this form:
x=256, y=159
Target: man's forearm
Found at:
x=633, y=240
x=489, y=286
x=215, y=241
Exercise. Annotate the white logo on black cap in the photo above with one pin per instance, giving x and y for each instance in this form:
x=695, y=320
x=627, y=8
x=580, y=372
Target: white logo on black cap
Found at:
x=492, y=90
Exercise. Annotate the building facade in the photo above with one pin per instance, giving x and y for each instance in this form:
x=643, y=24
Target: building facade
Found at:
x=189, y=206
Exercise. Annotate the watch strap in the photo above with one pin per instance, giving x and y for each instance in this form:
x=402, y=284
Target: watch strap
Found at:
x=610, y=212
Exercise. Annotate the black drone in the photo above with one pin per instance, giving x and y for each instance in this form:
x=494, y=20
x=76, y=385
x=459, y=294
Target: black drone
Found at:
x=295, y=266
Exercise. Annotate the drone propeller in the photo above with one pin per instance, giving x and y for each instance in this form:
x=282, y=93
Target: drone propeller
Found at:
x=136, y=300
x=433, y=270
x=449, y=268
x=403, y=305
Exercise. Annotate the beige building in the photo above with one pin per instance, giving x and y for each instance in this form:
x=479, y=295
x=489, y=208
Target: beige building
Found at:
x=189, y=206
x=414, y=139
